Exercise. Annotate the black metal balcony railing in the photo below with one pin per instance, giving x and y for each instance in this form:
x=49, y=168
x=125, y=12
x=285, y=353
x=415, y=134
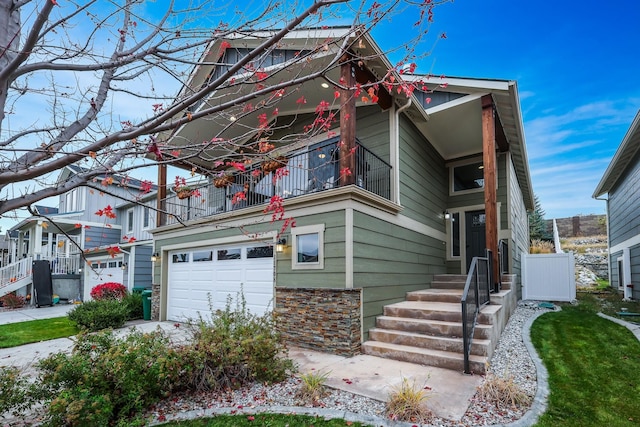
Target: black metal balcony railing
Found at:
x=311, y=171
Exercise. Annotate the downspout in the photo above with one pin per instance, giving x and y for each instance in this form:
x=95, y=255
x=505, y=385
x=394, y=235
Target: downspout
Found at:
x=395, y=150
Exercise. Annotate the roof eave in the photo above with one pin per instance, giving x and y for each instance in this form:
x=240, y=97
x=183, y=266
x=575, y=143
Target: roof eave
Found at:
x=621, y=159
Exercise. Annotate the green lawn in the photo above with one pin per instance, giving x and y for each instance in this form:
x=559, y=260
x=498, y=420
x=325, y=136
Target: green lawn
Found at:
x=264, y=420
x=15, y=334
x=593, y=365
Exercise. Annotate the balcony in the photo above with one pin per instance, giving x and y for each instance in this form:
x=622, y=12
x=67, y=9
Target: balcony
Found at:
x=314, y=170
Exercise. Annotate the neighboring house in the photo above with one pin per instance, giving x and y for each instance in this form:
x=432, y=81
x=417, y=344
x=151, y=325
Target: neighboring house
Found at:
x=620, y=186
x=416, y=204
x=83, y=248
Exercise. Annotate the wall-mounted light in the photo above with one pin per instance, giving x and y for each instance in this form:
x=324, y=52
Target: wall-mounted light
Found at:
x=282, y=243
x=80, y=270
x=124, y=266
x=155, y=257
x=446, y=215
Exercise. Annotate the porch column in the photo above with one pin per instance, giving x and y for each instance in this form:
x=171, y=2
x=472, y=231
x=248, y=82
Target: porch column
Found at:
x=20, y=245
x=161, y=217
x=490, y=179
x=347, y=123
x=37, y=241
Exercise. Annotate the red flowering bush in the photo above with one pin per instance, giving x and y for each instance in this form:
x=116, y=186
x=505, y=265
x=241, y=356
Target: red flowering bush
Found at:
x=109, y=290
x=12, y=301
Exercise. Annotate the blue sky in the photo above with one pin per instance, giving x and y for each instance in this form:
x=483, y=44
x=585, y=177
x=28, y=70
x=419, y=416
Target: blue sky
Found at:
x=577, y=64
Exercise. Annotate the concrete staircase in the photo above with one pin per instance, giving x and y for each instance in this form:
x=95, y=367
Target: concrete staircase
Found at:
x=426, y=328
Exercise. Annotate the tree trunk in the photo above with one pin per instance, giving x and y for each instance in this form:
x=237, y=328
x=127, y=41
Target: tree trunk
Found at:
x=9, y=44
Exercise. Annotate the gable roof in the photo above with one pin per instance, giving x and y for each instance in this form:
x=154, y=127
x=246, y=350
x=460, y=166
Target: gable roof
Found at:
x=621, y=159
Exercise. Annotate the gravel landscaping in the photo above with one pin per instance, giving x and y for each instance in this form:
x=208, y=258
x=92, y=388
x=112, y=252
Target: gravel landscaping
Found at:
x=510, y=359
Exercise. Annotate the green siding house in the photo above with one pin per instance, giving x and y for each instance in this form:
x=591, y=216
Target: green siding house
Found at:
x=419, y=202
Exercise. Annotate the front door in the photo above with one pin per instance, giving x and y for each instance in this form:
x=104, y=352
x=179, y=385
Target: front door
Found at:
x=475, y=235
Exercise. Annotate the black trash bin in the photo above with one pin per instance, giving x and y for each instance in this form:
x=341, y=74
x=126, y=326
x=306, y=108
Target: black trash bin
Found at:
x=146, y=305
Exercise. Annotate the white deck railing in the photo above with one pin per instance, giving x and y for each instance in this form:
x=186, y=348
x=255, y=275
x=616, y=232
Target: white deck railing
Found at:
x=15, y=272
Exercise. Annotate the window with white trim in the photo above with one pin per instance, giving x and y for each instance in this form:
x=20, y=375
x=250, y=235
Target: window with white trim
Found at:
x=130, y=220
x=146, y=219
x=307, y=247
x=468, y=177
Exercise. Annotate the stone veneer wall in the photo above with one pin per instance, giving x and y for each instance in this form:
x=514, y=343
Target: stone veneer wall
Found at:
x=326, y=320
x=155, y=302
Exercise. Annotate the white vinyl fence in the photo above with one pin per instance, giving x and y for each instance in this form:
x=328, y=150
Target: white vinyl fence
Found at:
x=548, y=277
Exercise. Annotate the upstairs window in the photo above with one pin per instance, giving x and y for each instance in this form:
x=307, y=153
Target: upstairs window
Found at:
x=467, y=177
x=130, y=221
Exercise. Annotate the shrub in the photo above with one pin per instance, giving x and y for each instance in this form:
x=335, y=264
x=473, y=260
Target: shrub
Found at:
x=134, y=306
x=312, y=388
x=12, y=300
x=15, y=391
x=108, y=380
x=109, y=290
x=541, y=247
x=100, y=314
x=502, y=391
x=407, y=403
x=236, y=347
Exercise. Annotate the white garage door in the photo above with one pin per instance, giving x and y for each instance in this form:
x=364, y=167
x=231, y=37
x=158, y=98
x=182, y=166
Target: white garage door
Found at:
x=102, y=270
x=197, y=275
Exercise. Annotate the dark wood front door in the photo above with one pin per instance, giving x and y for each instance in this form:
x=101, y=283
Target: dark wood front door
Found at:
x=475, y=235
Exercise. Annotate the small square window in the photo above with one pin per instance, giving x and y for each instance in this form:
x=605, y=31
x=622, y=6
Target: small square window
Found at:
x=307, y=247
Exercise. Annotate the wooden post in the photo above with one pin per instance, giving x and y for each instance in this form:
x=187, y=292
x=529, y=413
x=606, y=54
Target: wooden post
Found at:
x=347, y=123
x=161, y=216
x=490, y=179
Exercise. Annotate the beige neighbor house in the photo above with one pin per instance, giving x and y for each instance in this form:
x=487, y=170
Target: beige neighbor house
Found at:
x=378, y=258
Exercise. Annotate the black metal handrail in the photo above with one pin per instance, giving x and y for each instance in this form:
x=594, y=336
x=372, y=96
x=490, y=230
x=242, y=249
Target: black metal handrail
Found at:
x=476, y=294
x=314, y=170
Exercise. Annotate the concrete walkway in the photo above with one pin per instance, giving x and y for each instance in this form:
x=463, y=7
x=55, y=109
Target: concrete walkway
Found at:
x=369, y=376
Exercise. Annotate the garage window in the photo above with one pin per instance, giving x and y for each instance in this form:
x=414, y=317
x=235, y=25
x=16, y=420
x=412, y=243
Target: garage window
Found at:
x=307, y=247
x=227, y=254
x=178, y=258
x=260, y=252
x=202, y=256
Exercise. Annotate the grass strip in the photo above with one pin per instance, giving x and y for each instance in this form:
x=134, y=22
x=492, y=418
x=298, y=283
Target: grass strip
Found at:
x=593, y=367
x=15, y=334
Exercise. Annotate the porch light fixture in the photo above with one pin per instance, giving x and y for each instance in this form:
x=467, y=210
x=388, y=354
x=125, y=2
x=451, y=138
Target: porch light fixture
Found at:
x=325, y=85
x=124, y=266
x=155, y=257
x=282, y=243
x=447, y=215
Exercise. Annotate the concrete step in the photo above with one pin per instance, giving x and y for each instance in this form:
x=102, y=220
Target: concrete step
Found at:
x=445, y=311
x=479, y=347
x=447, y=284
x=424, y=356
x=450, y=277
x=436, y=295
x=430, y=327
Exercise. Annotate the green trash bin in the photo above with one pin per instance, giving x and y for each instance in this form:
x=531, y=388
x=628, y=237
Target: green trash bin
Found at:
x=138, y=290
x=146, y=305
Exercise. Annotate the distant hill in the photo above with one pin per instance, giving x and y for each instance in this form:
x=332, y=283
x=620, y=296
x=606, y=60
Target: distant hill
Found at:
x=579, y=226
